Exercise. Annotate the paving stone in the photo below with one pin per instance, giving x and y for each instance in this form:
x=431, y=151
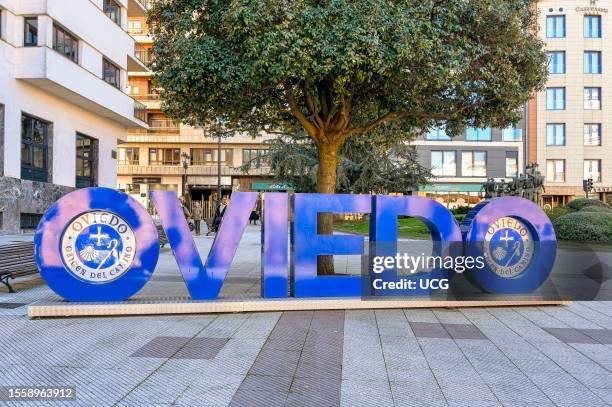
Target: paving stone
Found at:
x=428, y=330
x=161, y=347
x=603, y=336
x=570, y=335
x=463, y=331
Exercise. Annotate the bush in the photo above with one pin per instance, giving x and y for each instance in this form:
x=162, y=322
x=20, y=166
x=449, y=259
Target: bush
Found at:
x=578, y=204
x=587, y=226
x=461, y=210
x=595, y=208
x=555, y=213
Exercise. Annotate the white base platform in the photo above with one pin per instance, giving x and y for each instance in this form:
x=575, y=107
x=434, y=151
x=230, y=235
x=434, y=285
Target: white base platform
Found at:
x=182, y=305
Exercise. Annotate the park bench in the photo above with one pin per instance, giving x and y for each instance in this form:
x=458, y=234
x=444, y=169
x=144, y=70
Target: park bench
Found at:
x=16, y=260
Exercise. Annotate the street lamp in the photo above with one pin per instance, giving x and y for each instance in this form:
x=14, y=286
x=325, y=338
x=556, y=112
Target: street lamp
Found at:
x=186, y=160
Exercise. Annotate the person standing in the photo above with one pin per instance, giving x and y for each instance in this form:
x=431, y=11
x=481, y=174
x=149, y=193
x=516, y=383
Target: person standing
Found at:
x=219, y=213
x=186, y=212
x=198, y=214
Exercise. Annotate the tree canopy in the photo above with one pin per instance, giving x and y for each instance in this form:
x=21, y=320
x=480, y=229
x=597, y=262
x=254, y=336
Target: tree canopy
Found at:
x=343, y=67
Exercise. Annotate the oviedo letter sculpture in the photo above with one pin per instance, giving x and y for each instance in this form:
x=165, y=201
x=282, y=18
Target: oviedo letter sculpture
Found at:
x=98, y=244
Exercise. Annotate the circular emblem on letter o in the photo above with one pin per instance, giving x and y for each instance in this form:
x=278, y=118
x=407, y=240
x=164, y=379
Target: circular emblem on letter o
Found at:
x=96, y=244
x=517, y=242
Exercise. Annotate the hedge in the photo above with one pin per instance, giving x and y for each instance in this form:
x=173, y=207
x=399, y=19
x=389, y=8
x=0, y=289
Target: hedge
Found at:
x=585, y=225
x=580, y=203
x=600, y=209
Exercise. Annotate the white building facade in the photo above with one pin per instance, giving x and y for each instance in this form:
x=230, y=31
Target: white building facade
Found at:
x=63, y=106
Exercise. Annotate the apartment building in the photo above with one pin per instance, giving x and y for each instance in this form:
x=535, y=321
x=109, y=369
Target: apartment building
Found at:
x=462, y=164
x=63, y=72
x=573, y=115
x=172, y=156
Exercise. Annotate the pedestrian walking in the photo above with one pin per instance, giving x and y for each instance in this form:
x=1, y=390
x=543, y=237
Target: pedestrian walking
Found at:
x=198, y=215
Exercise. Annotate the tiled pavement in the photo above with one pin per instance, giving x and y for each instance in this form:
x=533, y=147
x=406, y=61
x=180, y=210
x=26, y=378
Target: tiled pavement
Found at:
x=533, y=356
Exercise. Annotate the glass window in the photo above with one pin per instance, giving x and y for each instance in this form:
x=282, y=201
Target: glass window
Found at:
x=511, y=164
x=592, y=62
x=512, y=133
x=556, y=62
x=113, y=11
x=555, y=134
x=128, y=155
x=474, y=134
x=111, y=73
x=555, y=170
x=164, y=156
x=30, y=38
x=592, y=98
x=34, y=149
x=474, y=164
x=555, y=26
x=86, y=161
x=437, y=133
x=555, y=98
x=206, y=156
x=592, y=26
x=592, y=134
x=65, y=43
x=444, y=163
x=256, y=156
x=592, y=170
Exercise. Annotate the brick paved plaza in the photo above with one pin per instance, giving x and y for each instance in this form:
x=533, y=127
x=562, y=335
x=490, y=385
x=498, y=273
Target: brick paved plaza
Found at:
x=531, y=356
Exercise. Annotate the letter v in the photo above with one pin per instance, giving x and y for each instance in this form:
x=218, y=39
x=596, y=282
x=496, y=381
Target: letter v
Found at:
x=204, y=281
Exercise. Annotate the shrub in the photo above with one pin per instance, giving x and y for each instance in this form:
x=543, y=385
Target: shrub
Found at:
x=461, y=210
x=578, y=204
x=596, y=208
x=555, y=213
x=588, y=226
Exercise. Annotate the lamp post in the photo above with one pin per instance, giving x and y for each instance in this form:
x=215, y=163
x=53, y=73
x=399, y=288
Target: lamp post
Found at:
x=186, y=160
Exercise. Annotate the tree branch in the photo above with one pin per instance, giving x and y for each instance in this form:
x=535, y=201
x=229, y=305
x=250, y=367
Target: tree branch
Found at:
x=297, y=112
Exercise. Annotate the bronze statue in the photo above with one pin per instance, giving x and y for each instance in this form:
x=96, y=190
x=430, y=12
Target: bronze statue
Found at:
x=529, y=186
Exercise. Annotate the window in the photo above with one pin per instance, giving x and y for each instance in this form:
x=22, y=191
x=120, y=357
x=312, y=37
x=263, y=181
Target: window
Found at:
x=437, y=133
x=512, y=133
x=30, y=37
x=556, y=62
x=111, y=73
x=474, y=164
x=164, y=156
x=65, y=43
x=474, y=134
x=86, y=161
x=257, y=157
x=555, y=170
x=592, y=170
x=592, y=134
x=592, y=62
x=129, y=155
x=511, y=164
x=555, y=134
x=1, y=139
x=113, y=11
x=592, y=26
x=34, y=149
x=555, y=26
x=444, y=163
x=592, y=98
x=29, y=221
x=205, y=156
x=555, y=98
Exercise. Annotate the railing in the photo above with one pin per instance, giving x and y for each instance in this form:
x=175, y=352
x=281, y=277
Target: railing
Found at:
x=143, y=54
x=146, y=98
x=147, y=4
x=140, y=111
x=138, y=31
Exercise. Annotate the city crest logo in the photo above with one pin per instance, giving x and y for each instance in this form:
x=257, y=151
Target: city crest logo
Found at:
x=508, y=247
x=98, y=247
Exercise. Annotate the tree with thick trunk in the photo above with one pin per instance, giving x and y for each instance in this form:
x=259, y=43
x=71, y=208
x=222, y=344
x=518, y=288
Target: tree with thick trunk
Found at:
x=345, y=68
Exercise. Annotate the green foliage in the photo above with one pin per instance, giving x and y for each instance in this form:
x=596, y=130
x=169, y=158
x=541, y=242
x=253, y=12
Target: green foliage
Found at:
x=597, y=208
x=580, y=203
x=461, y=210
x=366, y=165
x=557, y=212
x=343, y=68
x=584, y=226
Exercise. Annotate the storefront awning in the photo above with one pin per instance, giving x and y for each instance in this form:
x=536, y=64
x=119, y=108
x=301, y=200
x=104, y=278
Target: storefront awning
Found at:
x=270, y=186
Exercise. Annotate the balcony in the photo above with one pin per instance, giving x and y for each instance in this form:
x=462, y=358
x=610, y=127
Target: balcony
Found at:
x=194, y=170
x=48, y=70
x=139, y=8
x=164, y=126
x=142, y=54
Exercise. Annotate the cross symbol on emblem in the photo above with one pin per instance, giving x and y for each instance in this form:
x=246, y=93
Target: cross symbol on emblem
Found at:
x=506, y=238
x=99, y=236
x=593, y=2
